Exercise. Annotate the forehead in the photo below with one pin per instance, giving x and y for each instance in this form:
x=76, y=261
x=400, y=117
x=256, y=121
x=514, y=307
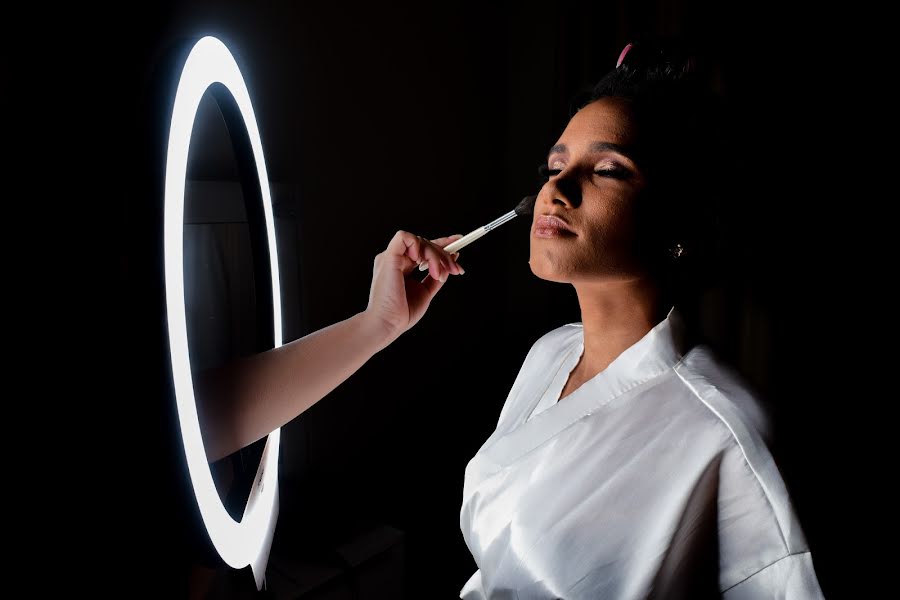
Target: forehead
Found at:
x=605, y=120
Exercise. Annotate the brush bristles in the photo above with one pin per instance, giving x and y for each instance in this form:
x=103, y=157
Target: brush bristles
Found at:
x=526, y=206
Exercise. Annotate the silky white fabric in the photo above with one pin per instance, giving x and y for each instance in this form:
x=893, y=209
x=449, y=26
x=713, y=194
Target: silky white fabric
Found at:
x=623, y=488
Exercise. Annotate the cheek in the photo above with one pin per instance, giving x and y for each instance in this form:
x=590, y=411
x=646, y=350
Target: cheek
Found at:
x=609, y=237
x=613, y=220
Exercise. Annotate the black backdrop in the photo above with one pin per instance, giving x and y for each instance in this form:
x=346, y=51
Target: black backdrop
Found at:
x=433, y=118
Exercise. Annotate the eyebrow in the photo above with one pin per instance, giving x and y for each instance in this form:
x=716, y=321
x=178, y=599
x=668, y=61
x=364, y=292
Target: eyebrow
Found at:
x=595, y=147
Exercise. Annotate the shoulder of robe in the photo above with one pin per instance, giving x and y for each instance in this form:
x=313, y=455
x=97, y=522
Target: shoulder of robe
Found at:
x=719, y=384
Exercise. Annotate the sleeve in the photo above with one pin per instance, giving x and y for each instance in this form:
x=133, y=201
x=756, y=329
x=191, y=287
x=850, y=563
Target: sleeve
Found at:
x=792, y=577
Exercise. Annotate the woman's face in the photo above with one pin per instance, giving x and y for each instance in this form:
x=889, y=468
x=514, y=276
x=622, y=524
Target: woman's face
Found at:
x=583, y=229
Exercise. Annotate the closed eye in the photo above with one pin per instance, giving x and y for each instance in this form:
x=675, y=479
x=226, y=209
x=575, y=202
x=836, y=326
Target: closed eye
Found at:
x=613, y=172
x=546, y=172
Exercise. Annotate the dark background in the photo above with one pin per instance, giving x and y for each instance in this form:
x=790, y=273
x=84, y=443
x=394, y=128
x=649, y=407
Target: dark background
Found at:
x=433, y=118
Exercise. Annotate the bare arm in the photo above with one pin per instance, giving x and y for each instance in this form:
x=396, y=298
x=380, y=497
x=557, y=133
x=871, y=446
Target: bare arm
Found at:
x=247, y=399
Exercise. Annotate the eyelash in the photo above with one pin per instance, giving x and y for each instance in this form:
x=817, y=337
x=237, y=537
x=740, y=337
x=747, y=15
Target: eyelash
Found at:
x=546, y=172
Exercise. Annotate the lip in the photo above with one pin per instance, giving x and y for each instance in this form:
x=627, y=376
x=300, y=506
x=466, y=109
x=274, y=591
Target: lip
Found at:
x=548, y=226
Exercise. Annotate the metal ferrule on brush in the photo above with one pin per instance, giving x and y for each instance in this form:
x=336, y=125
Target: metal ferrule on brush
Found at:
x=497, y=223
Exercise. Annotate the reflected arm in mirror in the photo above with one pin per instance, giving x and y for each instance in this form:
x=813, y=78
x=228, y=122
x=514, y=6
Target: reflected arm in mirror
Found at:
x=247, y=399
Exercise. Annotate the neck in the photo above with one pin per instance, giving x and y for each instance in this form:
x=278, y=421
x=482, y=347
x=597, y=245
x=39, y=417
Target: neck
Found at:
x=615, y=316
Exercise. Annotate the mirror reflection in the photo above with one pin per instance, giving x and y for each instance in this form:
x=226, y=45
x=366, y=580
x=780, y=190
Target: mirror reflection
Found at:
x=221, y=300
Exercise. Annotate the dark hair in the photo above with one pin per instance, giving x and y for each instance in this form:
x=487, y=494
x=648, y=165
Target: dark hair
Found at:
x=682, y=152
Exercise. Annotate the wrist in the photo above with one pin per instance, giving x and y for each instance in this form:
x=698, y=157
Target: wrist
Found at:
x=375, y=330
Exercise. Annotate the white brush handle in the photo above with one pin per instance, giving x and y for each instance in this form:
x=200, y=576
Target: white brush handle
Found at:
x=471, y=237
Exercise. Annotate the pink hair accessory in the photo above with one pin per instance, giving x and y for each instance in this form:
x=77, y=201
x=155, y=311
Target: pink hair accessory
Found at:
x=623, y=53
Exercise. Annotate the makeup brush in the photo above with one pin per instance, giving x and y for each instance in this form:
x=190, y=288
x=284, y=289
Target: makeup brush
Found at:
x=525, y=207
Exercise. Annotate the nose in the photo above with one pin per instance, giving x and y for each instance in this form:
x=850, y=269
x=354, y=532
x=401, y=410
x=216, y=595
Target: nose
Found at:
x=562, y=190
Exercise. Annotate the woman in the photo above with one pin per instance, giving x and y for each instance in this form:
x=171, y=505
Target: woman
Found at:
x=621, y=466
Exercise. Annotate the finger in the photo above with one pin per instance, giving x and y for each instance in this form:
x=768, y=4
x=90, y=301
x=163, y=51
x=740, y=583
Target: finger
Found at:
x=432, y=286
x=436, y=268
x=404, y=264
x=405, y=243
x=421, y=250
x=427, y=250
x=439, y=262
x=397, y=262
x=444, y=241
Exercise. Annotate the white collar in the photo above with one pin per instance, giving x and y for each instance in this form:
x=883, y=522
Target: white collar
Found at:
x=654, y=354
x=659, y=350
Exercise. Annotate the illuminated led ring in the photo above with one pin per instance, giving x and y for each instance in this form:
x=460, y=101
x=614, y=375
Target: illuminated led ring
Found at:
x=244, y=542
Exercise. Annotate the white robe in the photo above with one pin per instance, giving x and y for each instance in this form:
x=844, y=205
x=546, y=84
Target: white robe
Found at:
x=647, y=481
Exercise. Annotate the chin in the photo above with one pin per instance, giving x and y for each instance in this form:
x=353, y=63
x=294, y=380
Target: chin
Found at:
x=543, y=269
